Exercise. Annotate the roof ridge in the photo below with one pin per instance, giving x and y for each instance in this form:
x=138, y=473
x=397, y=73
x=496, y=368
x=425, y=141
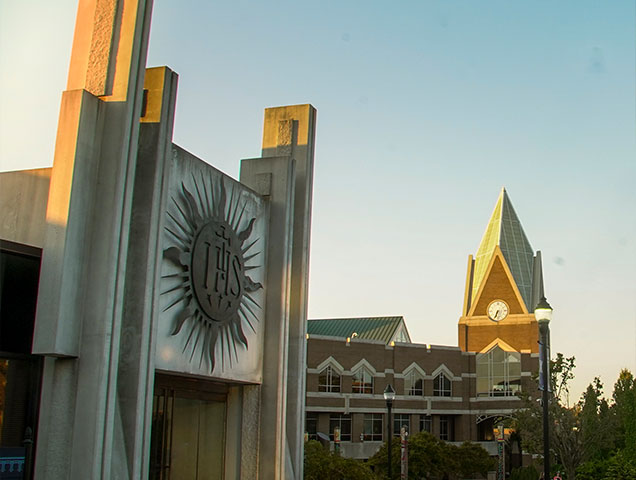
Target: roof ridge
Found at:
x=357, y=318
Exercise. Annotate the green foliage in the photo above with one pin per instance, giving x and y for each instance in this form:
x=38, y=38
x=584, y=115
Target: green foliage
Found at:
x=432, y=458
x=592, y=440
x=565, y=435
x=597, y=426
x=615, y=467
x=472, y=459
x=624, y=410
x=524, y=473
x=561, y=372
x=320, y=464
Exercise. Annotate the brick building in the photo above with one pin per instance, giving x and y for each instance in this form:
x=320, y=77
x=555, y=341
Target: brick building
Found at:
x=457, y=393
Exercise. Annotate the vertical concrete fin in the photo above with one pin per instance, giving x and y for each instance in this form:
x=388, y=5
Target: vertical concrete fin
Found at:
x=82, y=281
x=275, y=175
x=105, y=47
x=537, y=281
x=135, y=377
x=469, y=285
x=59, y=306
x=291, y=130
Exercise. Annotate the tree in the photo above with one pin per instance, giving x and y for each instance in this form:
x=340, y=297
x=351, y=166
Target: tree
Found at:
x=597, y=424
x=624, y=410
x=565, y=434
x=610, y=431
x=320, y=464
x=432, y=458
x=472, y=459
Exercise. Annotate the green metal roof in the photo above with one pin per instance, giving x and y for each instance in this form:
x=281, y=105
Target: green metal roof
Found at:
x=505, y=230
x=374, y=328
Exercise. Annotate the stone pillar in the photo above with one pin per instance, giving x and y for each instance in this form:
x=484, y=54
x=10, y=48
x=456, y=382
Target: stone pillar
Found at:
x=292, y=131
x=274, y=178
x=288, y=153
x=81, y=292
x=136, y=368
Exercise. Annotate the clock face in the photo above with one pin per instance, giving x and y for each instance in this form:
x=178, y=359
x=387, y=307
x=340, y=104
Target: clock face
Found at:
x=497, y=310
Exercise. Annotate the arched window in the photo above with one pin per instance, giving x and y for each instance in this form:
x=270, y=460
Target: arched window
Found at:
x=442, y=386
x=498, y=373
x=362, y=381
x=329, y=380
x=413, y=383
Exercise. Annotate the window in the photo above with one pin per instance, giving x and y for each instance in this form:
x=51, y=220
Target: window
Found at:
x=498, y=373
x=401, y=420
x=441, y=386
x=426, y=424
x=401, y=337
x=413, y=384
x=362, y=381
x=329, y=380
x=447, y=428
x=373, y=428
x=311, y=425
x=343, y=422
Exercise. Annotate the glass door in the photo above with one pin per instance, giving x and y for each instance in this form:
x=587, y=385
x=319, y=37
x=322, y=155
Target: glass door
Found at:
x=188, y=429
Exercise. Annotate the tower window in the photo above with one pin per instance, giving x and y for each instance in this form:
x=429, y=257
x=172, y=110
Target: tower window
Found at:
x=498, y=373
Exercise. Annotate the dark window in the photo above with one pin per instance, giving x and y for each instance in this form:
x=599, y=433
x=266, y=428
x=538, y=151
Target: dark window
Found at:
x=447, y=428
x=343, y=422
x=485, y=431
x=311, y=425
x=413, y=384
x=441, y=386
x=401, y=420
x=362, y=381
x=426, y=424
x=19, y=278
x=20, y=372
x=373, y=427
x=329, y=380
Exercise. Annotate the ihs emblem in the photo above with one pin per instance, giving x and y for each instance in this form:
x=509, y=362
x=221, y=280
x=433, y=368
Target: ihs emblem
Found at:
x=212, y=251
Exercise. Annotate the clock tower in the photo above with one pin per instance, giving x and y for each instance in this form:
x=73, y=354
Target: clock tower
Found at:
x=504, y=282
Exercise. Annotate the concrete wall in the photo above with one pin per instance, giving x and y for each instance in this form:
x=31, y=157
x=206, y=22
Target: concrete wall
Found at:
x=23, y=198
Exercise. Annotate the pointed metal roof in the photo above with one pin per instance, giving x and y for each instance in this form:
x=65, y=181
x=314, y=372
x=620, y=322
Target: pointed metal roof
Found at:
x=505, y=230
x=374, y=328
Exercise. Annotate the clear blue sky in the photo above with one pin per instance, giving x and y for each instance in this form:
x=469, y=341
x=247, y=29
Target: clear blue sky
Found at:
x=425, y=110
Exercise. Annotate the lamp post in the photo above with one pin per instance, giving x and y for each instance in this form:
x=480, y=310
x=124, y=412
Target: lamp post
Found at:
x=543, y=314
x=389, y=395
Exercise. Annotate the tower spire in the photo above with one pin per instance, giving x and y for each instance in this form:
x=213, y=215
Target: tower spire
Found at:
x=504, y=230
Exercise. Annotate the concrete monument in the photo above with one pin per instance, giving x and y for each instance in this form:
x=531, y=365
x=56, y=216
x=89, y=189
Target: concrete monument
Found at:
x=167, y=287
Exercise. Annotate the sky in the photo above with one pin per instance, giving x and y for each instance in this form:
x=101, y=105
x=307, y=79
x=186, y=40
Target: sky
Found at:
x=425, y=110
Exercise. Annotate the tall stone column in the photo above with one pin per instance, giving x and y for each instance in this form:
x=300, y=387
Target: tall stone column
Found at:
x=288, y=143
x=81, y=292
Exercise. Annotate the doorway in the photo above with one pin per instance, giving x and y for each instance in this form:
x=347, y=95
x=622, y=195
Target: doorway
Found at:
x=188, y=429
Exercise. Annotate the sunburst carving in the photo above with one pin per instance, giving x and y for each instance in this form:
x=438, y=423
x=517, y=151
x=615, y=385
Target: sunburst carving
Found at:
x=212, y=248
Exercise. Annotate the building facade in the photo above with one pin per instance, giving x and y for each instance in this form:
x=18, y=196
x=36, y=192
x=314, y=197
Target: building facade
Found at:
x=149, y=324
x=457, y=393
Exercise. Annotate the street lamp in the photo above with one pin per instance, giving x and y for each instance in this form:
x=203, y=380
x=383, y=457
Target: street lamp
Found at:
x=543, y=314
x=389, y=395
